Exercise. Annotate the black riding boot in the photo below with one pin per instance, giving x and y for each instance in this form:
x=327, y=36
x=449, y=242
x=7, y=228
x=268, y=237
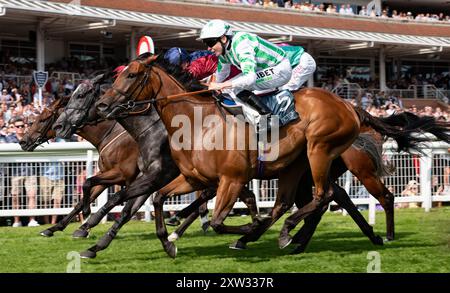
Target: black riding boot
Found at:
x=254, y=101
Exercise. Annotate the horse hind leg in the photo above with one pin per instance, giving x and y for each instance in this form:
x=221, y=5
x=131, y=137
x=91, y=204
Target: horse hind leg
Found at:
x=341, y=197
x=378, y=190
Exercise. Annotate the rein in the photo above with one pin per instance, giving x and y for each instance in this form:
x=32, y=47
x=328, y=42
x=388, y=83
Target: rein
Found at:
x=132, y=103
x=42, y=133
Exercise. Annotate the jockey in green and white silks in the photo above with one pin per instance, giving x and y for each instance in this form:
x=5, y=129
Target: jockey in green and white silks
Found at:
x=303, y=67
x=264, y=65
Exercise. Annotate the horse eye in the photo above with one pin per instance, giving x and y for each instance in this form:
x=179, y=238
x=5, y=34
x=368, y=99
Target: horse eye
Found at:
x=131, y=75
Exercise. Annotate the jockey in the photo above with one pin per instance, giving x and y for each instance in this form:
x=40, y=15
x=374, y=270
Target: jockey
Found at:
x=303, y=67
x=264, y=65
x=200, y=64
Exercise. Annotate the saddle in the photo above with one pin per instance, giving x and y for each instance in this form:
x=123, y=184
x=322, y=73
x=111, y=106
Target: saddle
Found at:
x=281, y=105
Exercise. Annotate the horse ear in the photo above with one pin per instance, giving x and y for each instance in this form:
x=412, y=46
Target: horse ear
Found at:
x=150, y=59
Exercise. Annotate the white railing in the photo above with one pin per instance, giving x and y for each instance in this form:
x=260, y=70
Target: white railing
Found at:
x=78, y=160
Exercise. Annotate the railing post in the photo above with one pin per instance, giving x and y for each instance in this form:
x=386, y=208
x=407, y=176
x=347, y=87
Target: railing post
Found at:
x=148, y=209
x=90, y=164
x=372, y=210
x=348, y=184
x=425, y=179
x=255, y=184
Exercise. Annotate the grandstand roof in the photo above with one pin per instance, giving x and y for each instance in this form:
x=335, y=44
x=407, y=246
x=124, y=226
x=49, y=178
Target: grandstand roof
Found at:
x=85, y=13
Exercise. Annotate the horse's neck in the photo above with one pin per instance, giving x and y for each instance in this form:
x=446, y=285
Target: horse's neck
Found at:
x=98, y=134
x=195, y=110
x=151, y=136
x=138, y=126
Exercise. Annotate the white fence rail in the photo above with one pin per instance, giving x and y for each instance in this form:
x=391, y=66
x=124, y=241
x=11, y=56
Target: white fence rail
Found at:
x=25, y=189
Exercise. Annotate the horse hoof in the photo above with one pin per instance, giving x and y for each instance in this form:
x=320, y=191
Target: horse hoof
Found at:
x=46, y=233
x=238, y=245
x=378, y=240
x=171, y=249
x=284, y=241
x=80, y=233
x=88, y=254
x=173, y=221
x=173, y=237
x=205, y=227
x=389, y=238
x=298, y=249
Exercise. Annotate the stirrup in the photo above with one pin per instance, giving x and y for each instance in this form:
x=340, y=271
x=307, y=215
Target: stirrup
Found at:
x=254, y=101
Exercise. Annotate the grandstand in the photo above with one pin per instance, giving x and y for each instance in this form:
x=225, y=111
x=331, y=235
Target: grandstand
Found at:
x=373, y=58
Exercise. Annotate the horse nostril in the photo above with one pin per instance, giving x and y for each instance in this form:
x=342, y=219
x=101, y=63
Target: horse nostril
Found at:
x=102, y=107
x=22, y=142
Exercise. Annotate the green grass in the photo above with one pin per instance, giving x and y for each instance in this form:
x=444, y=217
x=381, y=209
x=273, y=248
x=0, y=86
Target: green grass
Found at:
x=422, y=245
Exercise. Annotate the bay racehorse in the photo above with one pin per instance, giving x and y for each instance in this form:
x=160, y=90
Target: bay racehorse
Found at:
x=154, y=161
x=116, y=167
x=327, y=128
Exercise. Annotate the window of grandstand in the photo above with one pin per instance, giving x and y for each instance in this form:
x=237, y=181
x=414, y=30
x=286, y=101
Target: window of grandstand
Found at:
x=19, y=51
x=85, y=52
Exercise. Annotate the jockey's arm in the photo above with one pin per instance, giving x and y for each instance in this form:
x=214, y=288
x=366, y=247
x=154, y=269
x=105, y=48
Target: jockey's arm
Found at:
x=247, y=79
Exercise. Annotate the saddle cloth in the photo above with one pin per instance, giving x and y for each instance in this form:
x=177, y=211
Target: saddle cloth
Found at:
x=280, y=103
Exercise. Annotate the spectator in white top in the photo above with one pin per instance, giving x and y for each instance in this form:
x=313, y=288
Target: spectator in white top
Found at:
x=363, y=11
x=349, y=10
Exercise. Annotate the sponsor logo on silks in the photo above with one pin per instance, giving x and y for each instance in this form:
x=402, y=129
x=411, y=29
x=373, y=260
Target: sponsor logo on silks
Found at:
x=264, y=73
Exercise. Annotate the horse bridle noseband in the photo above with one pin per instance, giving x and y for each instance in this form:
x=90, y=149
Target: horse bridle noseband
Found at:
x=42, y=132
x=132, y=103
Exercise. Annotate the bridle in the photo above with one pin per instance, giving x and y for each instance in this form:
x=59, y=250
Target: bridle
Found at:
x=42, y=132
x=132, y=103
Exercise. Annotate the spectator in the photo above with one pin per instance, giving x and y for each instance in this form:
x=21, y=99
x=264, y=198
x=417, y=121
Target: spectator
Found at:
x=23, y=176
x=52, y=185
x=411, y=189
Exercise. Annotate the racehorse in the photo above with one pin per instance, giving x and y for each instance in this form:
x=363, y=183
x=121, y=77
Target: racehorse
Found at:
x=327, y=128
x=116, y=167
x=155, y=163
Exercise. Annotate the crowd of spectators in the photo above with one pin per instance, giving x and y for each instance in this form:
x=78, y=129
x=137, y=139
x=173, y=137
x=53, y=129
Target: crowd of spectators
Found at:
x=342, y=9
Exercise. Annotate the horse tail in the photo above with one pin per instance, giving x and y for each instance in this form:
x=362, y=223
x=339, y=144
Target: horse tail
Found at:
x=410, y=121
x=367, y=143
x=402, y=127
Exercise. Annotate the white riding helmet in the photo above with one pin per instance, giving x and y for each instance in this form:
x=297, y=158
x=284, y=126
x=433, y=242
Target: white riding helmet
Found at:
x=215, y=29
x=145, y=45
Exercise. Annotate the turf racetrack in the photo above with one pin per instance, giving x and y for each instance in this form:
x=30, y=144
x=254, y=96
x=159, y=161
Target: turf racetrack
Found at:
x=422, y=245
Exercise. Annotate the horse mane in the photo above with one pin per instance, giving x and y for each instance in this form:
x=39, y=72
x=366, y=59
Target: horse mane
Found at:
x=189, y=82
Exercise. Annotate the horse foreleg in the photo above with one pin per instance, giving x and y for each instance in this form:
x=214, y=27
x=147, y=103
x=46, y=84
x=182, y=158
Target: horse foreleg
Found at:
x=177, y=186
x=61, y=225
x=288, y=181
x=245, y=195
x=227, y=194
x=128, y=211
x=111, y=177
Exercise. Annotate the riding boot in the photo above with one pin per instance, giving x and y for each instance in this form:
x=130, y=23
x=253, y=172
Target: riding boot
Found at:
x=254, y=101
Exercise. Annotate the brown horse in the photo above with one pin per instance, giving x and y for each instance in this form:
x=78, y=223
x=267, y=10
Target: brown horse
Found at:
x=327, y=128
x=117, y=167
